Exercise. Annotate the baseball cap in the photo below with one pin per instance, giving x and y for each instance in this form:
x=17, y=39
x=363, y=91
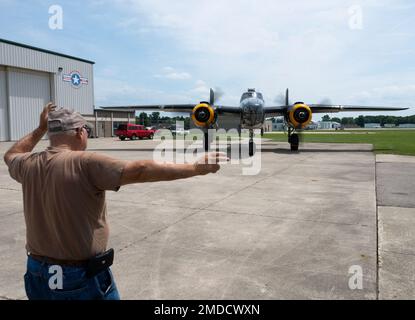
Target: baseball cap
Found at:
x=62, y=119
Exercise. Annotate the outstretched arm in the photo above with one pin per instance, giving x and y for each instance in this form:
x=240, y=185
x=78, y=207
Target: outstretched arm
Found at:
x=151, y=171
x=28, y=142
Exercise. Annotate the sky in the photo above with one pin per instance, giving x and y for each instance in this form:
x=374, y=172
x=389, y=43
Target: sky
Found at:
x=159, y=51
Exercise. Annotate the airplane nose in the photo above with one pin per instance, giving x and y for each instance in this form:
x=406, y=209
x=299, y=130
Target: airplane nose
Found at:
x=254, y=102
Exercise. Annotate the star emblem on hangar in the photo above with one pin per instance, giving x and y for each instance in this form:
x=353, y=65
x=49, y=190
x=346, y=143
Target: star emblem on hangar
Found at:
x=75, y=79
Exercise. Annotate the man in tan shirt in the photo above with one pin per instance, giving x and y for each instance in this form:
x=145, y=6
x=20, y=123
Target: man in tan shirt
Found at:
x=65, y=209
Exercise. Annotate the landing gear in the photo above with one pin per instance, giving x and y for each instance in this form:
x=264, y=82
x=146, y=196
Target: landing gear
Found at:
x=293, y=139
x=251, y=142
x=206, y=140
x=251, y=145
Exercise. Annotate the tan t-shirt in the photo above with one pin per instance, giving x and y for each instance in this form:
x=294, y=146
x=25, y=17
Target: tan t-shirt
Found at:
x=64, y=201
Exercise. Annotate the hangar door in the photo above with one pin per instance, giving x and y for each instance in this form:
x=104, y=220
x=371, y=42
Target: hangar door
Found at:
x=29, y=92
x=4, y=130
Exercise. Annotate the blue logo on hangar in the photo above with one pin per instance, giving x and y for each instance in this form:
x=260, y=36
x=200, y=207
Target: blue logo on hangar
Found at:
x=75, y=78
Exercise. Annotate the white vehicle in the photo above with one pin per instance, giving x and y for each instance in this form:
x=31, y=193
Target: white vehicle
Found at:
x=180, y=132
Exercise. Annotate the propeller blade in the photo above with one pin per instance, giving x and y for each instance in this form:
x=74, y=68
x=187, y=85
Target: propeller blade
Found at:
x=280, y=99
x=326, y=101
x=283, y=98
x=212, y=97
x=287, y=97
x=300, y=133
x=219, y=93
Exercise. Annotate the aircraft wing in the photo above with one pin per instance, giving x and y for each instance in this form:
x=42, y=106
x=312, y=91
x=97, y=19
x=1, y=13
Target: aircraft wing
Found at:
x=328, y=108
x=172, y=108
x=324, y=108
x=156, y=107
x=228, y=109
x=275, y=111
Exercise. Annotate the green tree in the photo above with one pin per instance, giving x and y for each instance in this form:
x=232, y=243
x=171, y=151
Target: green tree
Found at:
x=391, y=120
x=143, y=119
x=155, y=117
x=335, y=119
x=347, y=121
x=360, y=121
x=326, y=117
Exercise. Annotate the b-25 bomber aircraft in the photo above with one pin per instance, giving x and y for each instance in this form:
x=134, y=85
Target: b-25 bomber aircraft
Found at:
x=252, y=112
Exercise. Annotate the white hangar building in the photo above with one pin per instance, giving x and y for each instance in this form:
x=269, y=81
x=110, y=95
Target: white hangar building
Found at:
x=30, y=77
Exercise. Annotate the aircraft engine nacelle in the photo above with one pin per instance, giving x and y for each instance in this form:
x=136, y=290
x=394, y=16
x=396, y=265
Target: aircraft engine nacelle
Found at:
x=299, y=115
x=203, y=115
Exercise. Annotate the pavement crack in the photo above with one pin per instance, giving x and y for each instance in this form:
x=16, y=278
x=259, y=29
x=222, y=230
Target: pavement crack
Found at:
x=397, y=252
x=378, y=262
x=158, y=231
x=287, y=218
x=205, y=207
x=10, y=189
x=153, y=204
x=395, y=206
x=11, y=214
x=253, y=184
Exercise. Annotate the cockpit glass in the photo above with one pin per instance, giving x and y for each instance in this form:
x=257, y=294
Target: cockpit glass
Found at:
x=251, y=95
x=248, y=95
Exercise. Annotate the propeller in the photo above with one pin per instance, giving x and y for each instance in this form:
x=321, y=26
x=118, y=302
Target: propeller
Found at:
x=219, y=93
x=287, y=97
x=280, y=99
x=283, y=98
x=215, y=95
x=325, y=101
x=299, y=131
x=212, y=97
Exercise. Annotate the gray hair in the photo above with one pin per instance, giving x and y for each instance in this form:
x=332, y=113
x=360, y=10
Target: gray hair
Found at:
x=71, y=132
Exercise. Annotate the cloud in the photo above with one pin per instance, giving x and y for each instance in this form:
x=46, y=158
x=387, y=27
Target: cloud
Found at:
x=307, y=46
x=200, y=87
x=172, y=74
x=393, y=93
x=110, y=91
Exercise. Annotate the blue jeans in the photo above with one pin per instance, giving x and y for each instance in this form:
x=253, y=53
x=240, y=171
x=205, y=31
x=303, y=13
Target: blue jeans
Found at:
x=75, y=284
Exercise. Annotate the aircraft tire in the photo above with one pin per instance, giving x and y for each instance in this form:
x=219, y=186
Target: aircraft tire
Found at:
x=251, y=149
x=294, y=142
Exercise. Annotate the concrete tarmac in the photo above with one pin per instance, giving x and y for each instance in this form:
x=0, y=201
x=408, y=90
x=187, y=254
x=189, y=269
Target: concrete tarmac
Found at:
x=396, y=213
x=302, y=228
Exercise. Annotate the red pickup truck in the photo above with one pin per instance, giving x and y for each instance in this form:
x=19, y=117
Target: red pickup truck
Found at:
x=133, y=131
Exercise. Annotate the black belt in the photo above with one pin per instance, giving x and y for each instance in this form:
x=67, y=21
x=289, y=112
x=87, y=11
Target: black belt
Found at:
x=93, y=266
x=66, y=263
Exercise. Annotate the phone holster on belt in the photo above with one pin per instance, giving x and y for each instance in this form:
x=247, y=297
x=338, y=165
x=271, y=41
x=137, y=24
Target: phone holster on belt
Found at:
x=99, y=263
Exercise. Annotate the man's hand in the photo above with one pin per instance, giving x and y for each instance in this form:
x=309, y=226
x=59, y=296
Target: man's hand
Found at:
x=209, y=163
x=28, y=142
x=43, y=122
x=152, y=171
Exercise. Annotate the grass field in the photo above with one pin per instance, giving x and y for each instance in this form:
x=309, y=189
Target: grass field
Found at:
x=384, y=141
